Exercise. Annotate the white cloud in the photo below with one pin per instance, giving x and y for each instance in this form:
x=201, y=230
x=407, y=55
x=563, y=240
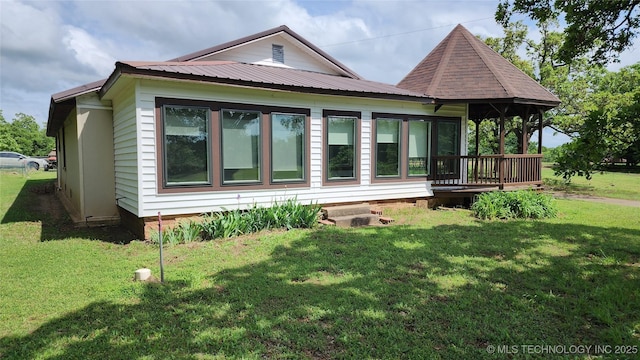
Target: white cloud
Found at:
x=28, y=30
x=51, y=46
x=88, y=50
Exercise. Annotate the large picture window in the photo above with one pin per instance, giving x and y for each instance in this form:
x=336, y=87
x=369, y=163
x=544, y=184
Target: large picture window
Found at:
x=388, y=147
x=186, y=146
x=220, y=146
x=288, y=134
x=241, y=159
x=341, y=145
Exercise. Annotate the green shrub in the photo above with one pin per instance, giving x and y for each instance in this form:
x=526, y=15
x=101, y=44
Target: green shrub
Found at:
x=288, y=215
x=523, y=204
x=225, y=224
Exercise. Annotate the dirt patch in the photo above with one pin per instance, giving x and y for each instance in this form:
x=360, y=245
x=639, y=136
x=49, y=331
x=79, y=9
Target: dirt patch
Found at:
x=48, y=203
x=46, y=207
x=623, y=202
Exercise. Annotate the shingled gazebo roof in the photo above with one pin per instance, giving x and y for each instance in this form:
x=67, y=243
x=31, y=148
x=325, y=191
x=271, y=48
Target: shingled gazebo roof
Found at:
x=464, y=69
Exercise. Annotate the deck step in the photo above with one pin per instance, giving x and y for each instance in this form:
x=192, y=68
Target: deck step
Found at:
x=346, y=210
x=385, y=220
x=354, y=220
x=326, y=222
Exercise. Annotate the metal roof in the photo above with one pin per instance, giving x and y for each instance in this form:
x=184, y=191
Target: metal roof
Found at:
x=77, y=91
x=261, y=76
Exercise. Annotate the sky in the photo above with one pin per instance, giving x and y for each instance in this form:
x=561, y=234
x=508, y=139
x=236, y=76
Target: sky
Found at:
x=49, y=46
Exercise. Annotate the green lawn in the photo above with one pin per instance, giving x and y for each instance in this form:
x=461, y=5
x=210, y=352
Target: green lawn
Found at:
x=618, y=184
x=436, y=284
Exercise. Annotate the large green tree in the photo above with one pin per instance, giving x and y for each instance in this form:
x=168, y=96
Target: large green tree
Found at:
x=599, y=28
x=611, y=127
x=568, y=81
x=7, y=140
x=25, y=136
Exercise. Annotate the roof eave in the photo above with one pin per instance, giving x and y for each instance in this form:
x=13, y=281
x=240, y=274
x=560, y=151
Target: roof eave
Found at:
x=58, y=112
x=113, y=78
x=63, y=102
x=520, y=101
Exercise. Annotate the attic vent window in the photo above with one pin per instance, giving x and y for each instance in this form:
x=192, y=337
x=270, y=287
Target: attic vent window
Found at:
x=277, y=53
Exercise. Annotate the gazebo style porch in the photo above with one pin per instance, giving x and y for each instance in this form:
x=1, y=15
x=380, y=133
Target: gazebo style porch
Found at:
x=463, y=69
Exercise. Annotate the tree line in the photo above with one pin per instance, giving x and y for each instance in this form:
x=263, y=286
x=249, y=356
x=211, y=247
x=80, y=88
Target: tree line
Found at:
x=24, y=135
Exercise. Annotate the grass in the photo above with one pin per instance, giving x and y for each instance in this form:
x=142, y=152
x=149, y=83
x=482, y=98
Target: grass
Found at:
x=612, y=184
x=437, y=284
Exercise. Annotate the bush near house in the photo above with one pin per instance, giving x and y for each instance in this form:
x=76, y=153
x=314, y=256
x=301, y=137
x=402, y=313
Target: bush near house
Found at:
x=225, y=224
x=523, y=204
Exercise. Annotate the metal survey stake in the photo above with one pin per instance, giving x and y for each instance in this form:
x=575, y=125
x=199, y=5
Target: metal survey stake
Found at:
x=160, y=238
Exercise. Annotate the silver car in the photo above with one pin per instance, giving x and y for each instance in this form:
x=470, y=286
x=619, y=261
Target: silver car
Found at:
x=10, y=159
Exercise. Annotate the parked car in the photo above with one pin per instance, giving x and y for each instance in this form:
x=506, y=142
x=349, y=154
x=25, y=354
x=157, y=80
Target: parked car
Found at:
x=52, y=159
x=10, y=159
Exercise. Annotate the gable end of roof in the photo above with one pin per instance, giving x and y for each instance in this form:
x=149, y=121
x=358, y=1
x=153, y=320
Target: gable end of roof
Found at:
x=280, y=29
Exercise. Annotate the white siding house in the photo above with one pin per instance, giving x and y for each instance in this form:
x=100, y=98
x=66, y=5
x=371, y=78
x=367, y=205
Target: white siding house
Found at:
x=222, y=107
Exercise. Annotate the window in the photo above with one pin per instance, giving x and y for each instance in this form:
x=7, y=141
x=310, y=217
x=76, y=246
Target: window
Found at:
x=288, y=134
x=448, y=144
x=404, y=146
x=388, y=147
x=241, y=133
x=277, y=53
x=210, y=146
x=341, y=147
x=448, y=138
x=186, y=146
x=419, y=154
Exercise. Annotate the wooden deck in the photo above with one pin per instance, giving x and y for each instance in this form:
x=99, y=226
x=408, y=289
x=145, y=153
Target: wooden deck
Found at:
x=505, y=170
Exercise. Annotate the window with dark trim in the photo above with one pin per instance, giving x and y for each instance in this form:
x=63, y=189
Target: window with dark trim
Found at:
x=186, y=145
x=288, y=134
x=387, y=144
x=241, y=146
x=448, y=142
x=419, y=152
x=208, y=146
x=341, y=147
x=419, y=138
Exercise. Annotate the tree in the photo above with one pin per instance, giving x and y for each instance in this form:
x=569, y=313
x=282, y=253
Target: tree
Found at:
x=568, y=81
x=24, y=135
x=611, y=128
x=7, y=140
x=602, y=28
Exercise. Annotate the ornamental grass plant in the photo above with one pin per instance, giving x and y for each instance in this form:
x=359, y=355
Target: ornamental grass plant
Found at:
x=289, y=214
x=522, y=204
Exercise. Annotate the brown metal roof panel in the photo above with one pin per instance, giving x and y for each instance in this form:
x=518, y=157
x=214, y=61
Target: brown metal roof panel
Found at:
x=79, y=90
x=270, y=75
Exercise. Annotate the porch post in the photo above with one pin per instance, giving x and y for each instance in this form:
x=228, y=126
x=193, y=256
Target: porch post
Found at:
x=540, y=116
x=501, y=161
x=477, y=135
x=502, y=132
x=525, y=137
x=475, y=161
